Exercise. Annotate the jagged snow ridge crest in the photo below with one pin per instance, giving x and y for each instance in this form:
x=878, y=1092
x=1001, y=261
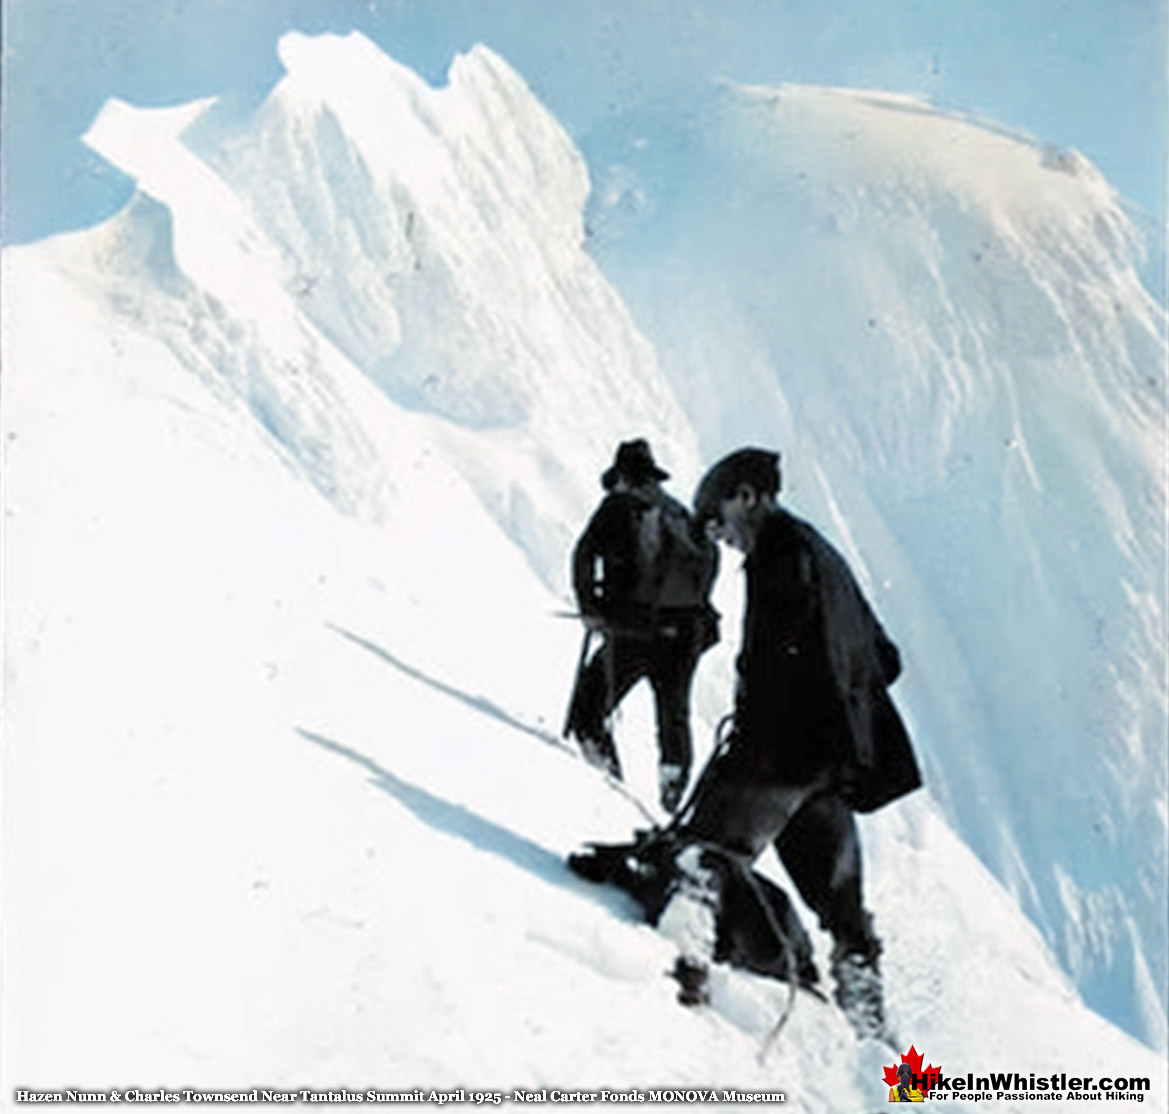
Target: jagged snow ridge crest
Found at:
x=435, y=235
x=431, y=237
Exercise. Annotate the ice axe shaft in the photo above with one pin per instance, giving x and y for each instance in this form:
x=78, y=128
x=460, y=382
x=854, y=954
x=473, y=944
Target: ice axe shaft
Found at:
x=584, y=653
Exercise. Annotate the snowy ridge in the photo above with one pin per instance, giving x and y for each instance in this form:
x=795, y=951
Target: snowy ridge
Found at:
x=434, y=238
x=942, y=326
x=304, y=774
x=435, y=235
x=185, y=258
x=282, y=835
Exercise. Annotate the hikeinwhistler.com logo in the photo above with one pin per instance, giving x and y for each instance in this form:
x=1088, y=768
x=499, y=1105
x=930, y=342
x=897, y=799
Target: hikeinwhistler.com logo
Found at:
x=909, y=1081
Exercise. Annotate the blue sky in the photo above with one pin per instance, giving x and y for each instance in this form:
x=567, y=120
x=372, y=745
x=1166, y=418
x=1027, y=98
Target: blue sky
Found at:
x=1090, y=74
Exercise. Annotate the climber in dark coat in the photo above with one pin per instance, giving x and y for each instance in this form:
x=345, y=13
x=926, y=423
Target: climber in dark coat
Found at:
x=642, y=577
x=814, y=667
x=815, y=736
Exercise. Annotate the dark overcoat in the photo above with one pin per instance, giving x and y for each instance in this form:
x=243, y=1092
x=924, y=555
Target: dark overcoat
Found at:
x=814, y=670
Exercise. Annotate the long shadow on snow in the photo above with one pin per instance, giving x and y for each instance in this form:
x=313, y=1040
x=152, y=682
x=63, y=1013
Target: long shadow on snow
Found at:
x=478, y=831
x=479, y=703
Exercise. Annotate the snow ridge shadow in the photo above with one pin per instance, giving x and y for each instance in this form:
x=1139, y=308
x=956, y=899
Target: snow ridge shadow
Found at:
x=480, y=832
x=478, y=702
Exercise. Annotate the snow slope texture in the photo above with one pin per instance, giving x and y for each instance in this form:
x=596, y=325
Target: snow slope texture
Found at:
x=942, y=326
x=238, y=542
x=284, y=832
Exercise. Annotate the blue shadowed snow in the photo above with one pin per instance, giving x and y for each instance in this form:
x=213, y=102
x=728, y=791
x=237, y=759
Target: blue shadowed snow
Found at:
x=221, y=455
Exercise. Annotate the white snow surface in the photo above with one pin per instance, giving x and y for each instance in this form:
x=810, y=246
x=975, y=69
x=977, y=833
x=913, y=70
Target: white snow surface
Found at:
x=942, y=327
x=295, y=448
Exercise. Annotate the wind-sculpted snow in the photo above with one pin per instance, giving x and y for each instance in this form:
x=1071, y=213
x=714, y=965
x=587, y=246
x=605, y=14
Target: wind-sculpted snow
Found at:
x=184, y=263
x=430, y=237
x=292, y=763
x=942, y=326
x=435, y=235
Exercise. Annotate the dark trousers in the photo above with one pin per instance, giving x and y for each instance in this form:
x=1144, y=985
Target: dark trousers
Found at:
x=815, y=835
x=667, y=660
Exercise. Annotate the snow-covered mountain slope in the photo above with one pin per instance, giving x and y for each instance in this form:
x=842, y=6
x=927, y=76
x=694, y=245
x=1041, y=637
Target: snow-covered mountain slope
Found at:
x=284, y=806
x=942, y=327
x=284, y=542
x=434, y=238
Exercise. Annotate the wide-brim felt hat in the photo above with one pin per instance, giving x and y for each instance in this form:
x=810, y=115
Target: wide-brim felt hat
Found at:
x=635, y=462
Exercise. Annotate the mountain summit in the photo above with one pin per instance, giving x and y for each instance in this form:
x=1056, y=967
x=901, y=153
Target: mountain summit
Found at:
x=296, y=446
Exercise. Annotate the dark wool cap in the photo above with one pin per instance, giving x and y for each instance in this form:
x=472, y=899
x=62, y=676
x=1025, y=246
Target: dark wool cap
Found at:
x=635, y=462
x=757, y=467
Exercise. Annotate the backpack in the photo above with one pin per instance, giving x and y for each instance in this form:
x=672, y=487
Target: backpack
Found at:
x=684, y=568
x=640, y=552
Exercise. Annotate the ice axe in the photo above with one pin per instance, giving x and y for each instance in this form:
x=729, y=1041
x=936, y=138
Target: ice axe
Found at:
x=580, y=664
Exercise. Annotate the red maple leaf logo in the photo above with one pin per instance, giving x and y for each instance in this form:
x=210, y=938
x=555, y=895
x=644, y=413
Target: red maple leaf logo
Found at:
x=913, y=1058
